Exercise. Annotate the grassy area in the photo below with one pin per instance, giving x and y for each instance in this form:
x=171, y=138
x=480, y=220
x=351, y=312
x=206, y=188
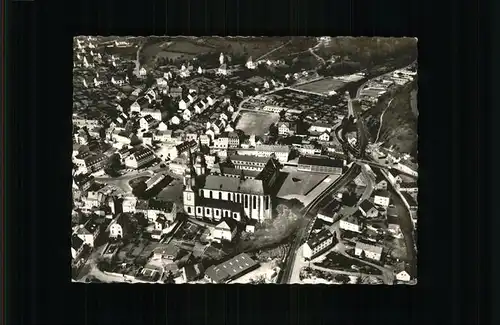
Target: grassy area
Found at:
x=136, y=181
x=322, y=86
x=257, y=123
x=300, y=183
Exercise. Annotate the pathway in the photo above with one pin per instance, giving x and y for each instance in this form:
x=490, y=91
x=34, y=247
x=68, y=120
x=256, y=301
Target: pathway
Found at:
x=382, y=119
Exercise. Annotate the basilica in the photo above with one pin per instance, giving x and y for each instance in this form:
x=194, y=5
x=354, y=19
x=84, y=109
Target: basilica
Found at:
x=219, y=196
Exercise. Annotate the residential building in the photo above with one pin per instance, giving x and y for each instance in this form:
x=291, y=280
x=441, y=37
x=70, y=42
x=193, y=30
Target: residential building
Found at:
x=147, y=122
x=318, y=243
x=128, y=204
x=286, y=128
x=221, y=143
x=237, y=173
x=352, y=222
x=321, y=164
x=140, y=158
x=95, y=162
x=320, y=127
x=162, y=135
x=231, y=269
x=225, y=230
x=88, y=232
x=330, y=211
x=381, y=184
x=411, y=201
x=205, y=140
x=154, y=180
x=411, y=187
x=118, y=226
x=369, y=251
x=325, y=136
x=309, y=150
x=233, y=139
x=382, y=198
x=368, y=209
x=154, y=113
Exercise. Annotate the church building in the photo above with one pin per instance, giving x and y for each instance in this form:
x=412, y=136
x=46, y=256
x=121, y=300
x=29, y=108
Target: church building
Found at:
x=216, y=197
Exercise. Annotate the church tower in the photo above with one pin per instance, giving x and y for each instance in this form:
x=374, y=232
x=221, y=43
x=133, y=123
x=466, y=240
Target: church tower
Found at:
x=221, y=58
x=199, y=165
x=189, y=199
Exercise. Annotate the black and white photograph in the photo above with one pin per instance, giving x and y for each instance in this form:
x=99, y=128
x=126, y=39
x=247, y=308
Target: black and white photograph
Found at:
x=244, y=160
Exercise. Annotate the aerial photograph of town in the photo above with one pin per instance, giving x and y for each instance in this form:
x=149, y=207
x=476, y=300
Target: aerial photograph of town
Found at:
x=244, y=160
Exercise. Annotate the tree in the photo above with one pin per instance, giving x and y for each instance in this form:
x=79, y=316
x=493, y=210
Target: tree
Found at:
x=169, y=279
x=282, y=113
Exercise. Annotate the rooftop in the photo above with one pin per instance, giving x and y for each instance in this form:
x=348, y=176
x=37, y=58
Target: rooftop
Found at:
x=231, y=268
x=249, y=158
x=321, y=161
x=369, y=247
x=272, y=148
x=232, y=184
x=318, y=238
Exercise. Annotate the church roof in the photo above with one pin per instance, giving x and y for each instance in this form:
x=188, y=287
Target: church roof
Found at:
x=232, y=184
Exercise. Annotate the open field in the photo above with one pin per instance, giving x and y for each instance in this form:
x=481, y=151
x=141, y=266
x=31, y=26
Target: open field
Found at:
x=249, y=46
x=322, y=86
x=300, y=183
x=123, y=52
x=257, y=123
x=171, y=48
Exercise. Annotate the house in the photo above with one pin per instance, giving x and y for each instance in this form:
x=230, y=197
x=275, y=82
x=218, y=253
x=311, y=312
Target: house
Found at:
x=325, y=136
x=369, y=251
x=234, y=140
x=119, y=80
x=147, y=122
x=318, y=243
x=402, y=272
x=88, y=232
x=352, y=222
x=175, y=120
x=184, y=104
x=229, y=129
x=128, y=204
x=210, y=100
x=77, y=246
x=225, y=230
x=118, y=226
x=162, y=82
x=211, y=134
x=368, y=209
x=382, y=198
x=192, y=272
x=320, y=127
x=155, y=113
x=143, y=72
x=162, y=135
x=381, y=184
x=222, y=69
x=221, y=143
x=186, y=115
x=310, y=150
x=168, y=252
x=231, y=269
x=205, y=140
x=285, y=128
x=162, y=126
x=329, y=212
x=140, y=158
